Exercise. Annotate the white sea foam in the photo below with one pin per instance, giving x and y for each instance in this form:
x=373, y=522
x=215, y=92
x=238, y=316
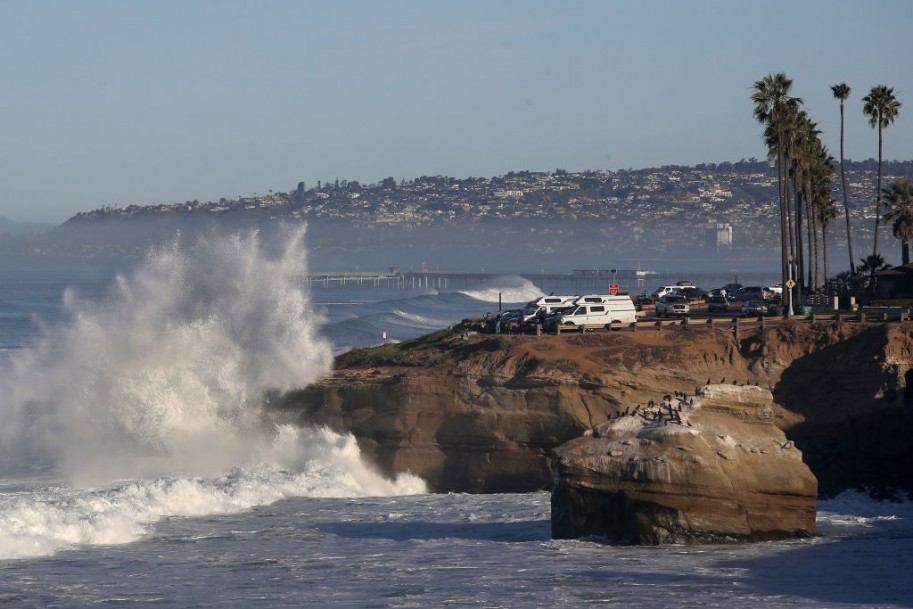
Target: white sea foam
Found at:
x=314, y=463
x=510, y=289
x=417, y=321
x=162, y=383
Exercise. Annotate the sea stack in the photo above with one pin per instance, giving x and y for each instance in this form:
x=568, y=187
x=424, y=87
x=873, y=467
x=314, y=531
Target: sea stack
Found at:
x=719, y=472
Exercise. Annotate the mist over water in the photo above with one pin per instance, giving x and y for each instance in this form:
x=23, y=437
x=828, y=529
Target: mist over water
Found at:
x=148, y=401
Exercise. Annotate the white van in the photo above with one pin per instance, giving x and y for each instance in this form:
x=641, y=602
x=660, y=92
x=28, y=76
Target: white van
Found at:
x=599, y=310
x=666, y=289
x=548, y=305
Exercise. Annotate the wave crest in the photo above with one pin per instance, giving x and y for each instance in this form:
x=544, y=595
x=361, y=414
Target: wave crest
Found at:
x=510, y=289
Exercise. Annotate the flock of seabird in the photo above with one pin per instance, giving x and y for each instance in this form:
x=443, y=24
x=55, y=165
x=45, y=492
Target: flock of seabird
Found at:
x=669, y=409
x=666, y=411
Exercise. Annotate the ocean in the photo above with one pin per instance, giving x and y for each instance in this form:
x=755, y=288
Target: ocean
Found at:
x=136, y=468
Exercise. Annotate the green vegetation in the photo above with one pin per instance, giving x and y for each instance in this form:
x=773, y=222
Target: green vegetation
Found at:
x=881, y=107
x=842, y=92
x=805, y=166
x=899, y=205
x=391, y=353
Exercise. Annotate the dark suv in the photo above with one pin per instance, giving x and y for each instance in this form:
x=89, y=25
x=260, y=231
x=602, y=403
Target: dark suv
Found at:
x=754, y=293
x=717, y=304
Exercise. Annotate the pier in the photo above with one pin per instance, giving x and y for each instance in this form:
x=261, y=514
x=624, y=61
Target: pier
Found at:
x=591, y=281
x=419, y=280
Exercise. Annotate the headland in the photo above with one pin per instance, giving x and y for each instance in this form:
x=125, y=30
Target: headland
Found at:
x=482, y=413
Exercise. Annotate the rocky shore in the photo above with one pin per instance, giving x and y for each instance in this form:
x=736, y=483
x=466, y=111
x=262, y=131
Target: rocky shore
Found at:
x=710, y=468
x=483, y=413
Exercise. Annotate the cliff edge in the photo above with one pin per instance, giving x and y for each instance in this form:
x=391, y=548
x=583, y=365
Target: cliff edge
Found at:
x=482, y=413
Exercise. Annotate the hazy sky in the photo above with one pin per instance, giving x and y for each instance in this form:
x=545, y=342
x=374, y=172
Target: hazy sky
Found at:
x=122, y=102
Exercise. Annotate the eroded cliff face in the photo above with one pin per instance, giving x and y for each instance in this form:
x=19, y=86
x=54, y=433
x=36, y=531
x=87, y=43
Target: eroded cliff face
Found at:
x=708, y=469
x=481, y=413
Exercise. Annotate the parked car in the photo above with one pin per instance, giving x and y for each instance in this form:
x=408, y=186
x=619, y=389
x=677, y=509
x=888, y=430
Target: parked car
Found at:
x=718, y=304
x=672, y=304
x=665, y=289
x=755, y=292
x=693, y=293
x=755, y=308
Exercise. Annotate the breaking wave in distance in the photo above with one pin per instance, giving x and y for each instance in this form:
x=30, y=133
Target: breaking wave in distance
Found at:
x=149, y=402
x=510, y=288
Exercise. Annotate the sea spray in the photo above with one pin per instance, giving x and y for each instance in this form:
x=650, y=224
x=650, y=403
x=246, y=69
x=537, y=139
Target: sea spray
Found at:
x=506, y=289
x=161, y=384
x=299, y=462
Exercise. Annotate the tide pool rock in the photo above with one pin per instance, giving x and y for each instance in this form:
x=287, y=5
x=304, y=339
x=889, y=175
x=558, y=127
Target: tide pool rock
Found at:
x=707, y=469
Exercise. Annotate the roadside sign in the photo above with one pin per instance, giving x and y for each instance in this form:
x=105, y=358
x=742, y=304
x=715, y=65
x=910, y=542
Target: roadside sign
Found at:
x=790, y=283
x=613, y=289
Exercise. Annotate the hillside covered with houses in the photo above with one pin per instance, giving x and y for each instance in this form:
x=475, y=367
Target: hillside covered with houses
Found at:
x=707, y=209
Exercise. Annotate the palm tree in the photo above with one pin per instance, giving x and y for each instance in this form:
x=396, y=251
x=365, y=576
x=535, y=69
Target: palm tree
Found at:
x=805, y=151
x=871, y=266
x=773, y=107
x=899, y=203
x=842, y=92
x=882, y=108
x=827, y=212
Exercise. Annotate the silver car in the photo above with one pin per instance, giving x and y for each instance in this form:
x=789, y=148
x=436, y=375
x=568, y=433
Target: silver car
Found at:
x=755, y=308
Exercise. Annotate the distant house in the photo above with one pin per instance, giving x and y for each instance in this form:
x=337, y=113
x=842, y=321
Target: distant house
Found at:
x=895, y=282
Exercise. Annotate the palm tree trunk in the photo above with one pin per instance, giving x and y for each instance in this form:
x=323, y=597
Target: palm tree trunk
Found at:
x=810, y=224
x=784, y=264
x=878, y=192
x=846, y=204
x=800, y=254
x=827, y=262
x=791, y=227
x=905, y=252
x=812, y=253
x=817, y=261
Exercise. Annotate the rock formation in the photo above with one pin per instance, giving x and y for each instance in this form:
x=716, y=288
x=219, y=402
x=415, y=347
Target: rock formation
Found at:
x=481, y=413
x=707, y=469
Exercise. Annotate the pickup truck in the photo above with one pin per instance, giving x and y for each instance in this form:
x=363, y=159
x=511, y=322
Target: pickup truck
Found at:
x=672, y=304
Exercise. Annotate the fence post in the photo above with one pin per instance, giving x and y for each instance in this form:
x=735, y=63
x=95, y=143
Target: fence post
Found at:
x=735, y=321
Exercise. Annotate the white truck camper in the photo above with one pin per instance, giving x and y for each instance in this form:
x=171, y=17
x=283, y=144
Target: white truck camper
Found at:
x=600, y=310
x=548, y=305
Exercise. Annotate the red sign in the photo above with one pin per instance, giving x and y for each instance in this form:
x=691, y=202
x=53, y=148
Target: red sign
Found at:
x=613, y=289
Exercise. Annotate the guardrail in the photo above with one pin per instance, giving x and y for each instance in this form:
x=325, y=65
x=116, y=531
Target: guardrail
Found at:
x=735, y=323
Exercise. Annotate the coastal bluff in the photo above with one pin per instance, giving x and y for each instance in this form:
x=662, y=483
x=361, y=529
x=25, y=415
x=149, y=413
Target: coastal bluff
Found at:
x=712, y=468
x=482, y=413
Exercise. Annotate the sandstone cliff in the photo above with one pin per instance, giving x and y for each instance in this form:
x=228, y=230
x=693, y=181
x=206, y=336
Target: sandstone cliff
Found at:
x=701, y=470
x=481, y=413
